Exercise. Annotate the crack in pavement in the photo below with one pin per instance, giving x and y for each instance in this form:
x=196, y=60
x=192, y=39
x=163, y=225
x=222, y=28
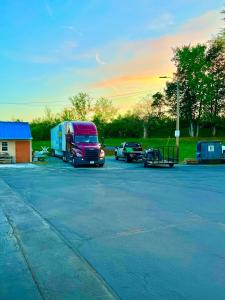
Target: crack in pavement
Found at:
x=14, y=233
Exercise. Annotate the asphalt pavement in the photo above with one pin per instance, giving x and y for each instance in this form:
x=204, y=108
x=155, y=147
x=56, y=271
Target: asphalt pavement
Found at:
x=118, y=232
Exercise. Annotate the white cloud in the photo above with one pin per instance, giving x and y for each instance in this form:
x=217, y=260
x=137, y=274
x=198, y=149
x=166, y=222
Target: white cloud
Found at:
x=163, y=21
x=69, y=27
x=68, y=46
x=72, y=29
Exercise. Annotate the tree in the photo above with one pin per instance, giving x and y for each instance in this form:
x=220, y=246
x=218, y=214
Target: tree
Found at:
x=67, y=114
x=143, y=109
x=158, y=104
x=129, y=125
x=104, y=110
x=192, y=75
x=40, y=127
x=216, y=89
x=223, y=30
x=81, y=104
x=187, y=103
x=49, y=115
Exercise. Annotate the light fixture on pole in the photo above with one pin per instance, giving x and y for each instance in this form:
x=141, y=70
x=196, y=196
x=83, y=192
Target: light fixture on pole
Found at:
x=177, y=131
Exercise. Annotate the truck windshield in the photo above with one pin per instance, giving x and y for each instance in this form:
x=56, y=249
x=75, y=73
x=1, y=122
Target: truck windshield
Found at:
x=132, y=145
x=86, y=139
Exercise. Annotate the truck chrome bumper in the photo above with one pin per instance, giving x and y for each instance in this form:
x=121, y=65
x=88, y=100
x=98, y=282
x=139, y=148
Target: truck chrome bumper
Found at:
x=82, y=161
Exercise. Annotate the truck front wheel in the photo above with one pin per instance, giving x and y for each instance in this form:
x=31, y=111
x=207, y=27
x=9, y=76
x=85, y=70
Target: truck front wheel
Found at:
x=74, y=163
x=128, y=159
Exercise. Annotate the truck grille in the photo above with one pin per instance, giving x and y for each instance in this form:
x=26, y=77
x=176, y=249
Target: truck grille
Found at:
x=137, y=148
x=91, y=154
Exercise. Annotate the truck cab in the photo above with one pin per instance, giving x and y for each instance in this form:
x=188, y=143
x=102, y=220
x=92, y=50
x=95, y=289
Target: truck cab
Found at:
x=77, y=142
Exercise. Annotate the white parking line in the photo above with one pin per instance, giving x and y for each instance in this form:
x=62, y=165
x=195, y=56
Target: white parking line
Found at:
x=18, y=166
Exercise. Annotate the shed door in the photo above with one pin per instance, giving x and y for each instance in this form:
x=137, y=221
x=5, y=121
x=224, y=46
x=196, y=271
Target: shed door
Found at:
x=22, y=151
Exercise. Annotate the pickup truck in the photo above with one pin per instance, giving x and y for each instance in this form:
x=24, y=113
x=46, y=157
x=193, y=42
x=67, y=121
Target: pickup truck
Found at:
x=129, y=151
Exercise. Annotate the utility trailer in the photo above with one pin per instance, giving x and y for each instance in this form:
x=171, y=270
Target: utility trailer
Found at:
x=129, y=151
x=160, y=157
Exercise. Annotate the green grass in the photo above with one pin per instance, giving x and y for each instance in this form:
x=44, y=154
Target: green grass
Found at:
x=36, y=145
x=187, y=145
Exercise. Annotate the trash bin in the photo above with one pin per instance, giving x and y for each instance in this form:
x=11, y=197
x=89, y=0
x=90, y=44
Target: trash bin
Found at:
x=209, y=151
x=223, y=150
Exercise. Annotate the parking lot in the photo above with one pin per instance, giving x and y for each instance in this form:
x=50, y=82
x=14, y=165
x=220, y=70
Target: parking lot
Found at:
x=118, y=232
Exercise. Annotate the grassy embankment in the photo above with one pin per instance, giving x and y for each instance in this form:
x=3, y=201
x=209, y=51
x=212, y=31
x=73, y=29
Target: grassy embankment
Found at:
x=187, y=145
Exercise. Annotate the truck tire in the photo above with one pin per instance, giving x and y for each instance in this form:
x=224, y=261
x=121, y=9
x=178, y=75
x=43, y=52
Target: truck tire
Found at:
x=127, y=159
x=101, y=165
x=74, y=163
x=171, y=165
x=145, y=164
x=116, y=157
x=53, y=153
x=64, y=157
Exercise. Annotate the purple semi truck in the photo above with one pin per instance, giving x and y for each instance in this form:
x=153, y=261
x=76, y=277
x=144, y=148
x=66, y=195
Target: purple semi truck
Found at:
x=77, y=142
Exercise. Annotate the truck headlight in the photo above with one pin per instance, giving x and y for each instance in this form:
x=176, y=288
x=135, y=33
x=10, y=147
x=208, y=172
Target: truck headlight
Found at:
x=102, y=154
x=78, y=154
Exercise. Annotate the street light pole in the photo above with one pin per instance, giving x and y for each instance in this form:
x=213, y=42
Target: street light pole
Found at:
x=177, y=132
x=178, y=121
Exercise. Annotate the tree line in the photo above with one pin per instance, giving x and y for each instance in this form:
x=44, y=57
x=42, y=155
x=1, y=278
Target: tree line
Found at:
x=200, y=79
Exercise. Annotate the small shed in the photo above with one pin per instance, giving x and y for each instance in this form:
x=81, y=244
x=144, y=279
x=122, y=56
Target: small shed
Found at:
x=16, y=141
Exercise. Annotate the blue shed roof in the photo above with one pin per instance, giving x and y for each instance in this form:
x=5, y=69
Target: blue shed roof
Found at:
x=15, y=131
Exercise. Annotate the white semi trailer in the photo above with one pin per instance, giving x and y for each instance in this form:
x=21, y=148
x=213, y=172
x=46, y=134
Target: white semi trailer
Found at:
x=58, y=137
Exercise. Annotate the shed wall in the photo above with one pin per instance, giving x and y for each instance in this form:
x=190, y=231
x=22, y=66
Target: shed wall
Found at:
x=11, y=148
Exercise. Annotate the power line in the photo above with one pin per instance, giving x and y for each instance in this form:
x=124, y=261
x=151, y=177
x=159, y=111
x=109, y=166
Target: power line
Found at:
x=29, y=103
x=129, y=94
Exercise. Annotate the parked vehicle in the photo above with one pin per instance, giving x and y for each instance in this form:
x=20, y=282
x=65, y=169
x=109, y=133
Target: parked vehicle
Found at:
x=159, y=157
x=129, y=151
x=40, y=155
x=77, y=142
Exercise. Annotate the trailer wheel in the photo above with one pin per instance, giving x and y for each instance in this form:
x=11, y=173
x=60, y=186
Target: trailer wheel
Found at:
x=116, y=157
x=53, y=153
x=171, y=165
x=64, y=157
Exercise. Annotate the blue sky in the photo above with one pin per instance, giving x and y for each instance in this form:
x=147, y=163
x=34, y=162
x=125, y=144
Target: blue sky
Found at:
x=52, y=49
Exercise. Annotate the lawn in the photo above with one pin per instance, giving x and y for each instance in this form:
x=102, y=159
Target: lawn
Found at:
x=187, y=145
x=36, y=145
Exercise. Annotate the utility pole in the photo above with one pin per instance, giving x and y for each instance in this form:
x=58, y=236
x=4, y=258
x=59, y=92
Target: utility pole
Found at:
x=177, y=131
